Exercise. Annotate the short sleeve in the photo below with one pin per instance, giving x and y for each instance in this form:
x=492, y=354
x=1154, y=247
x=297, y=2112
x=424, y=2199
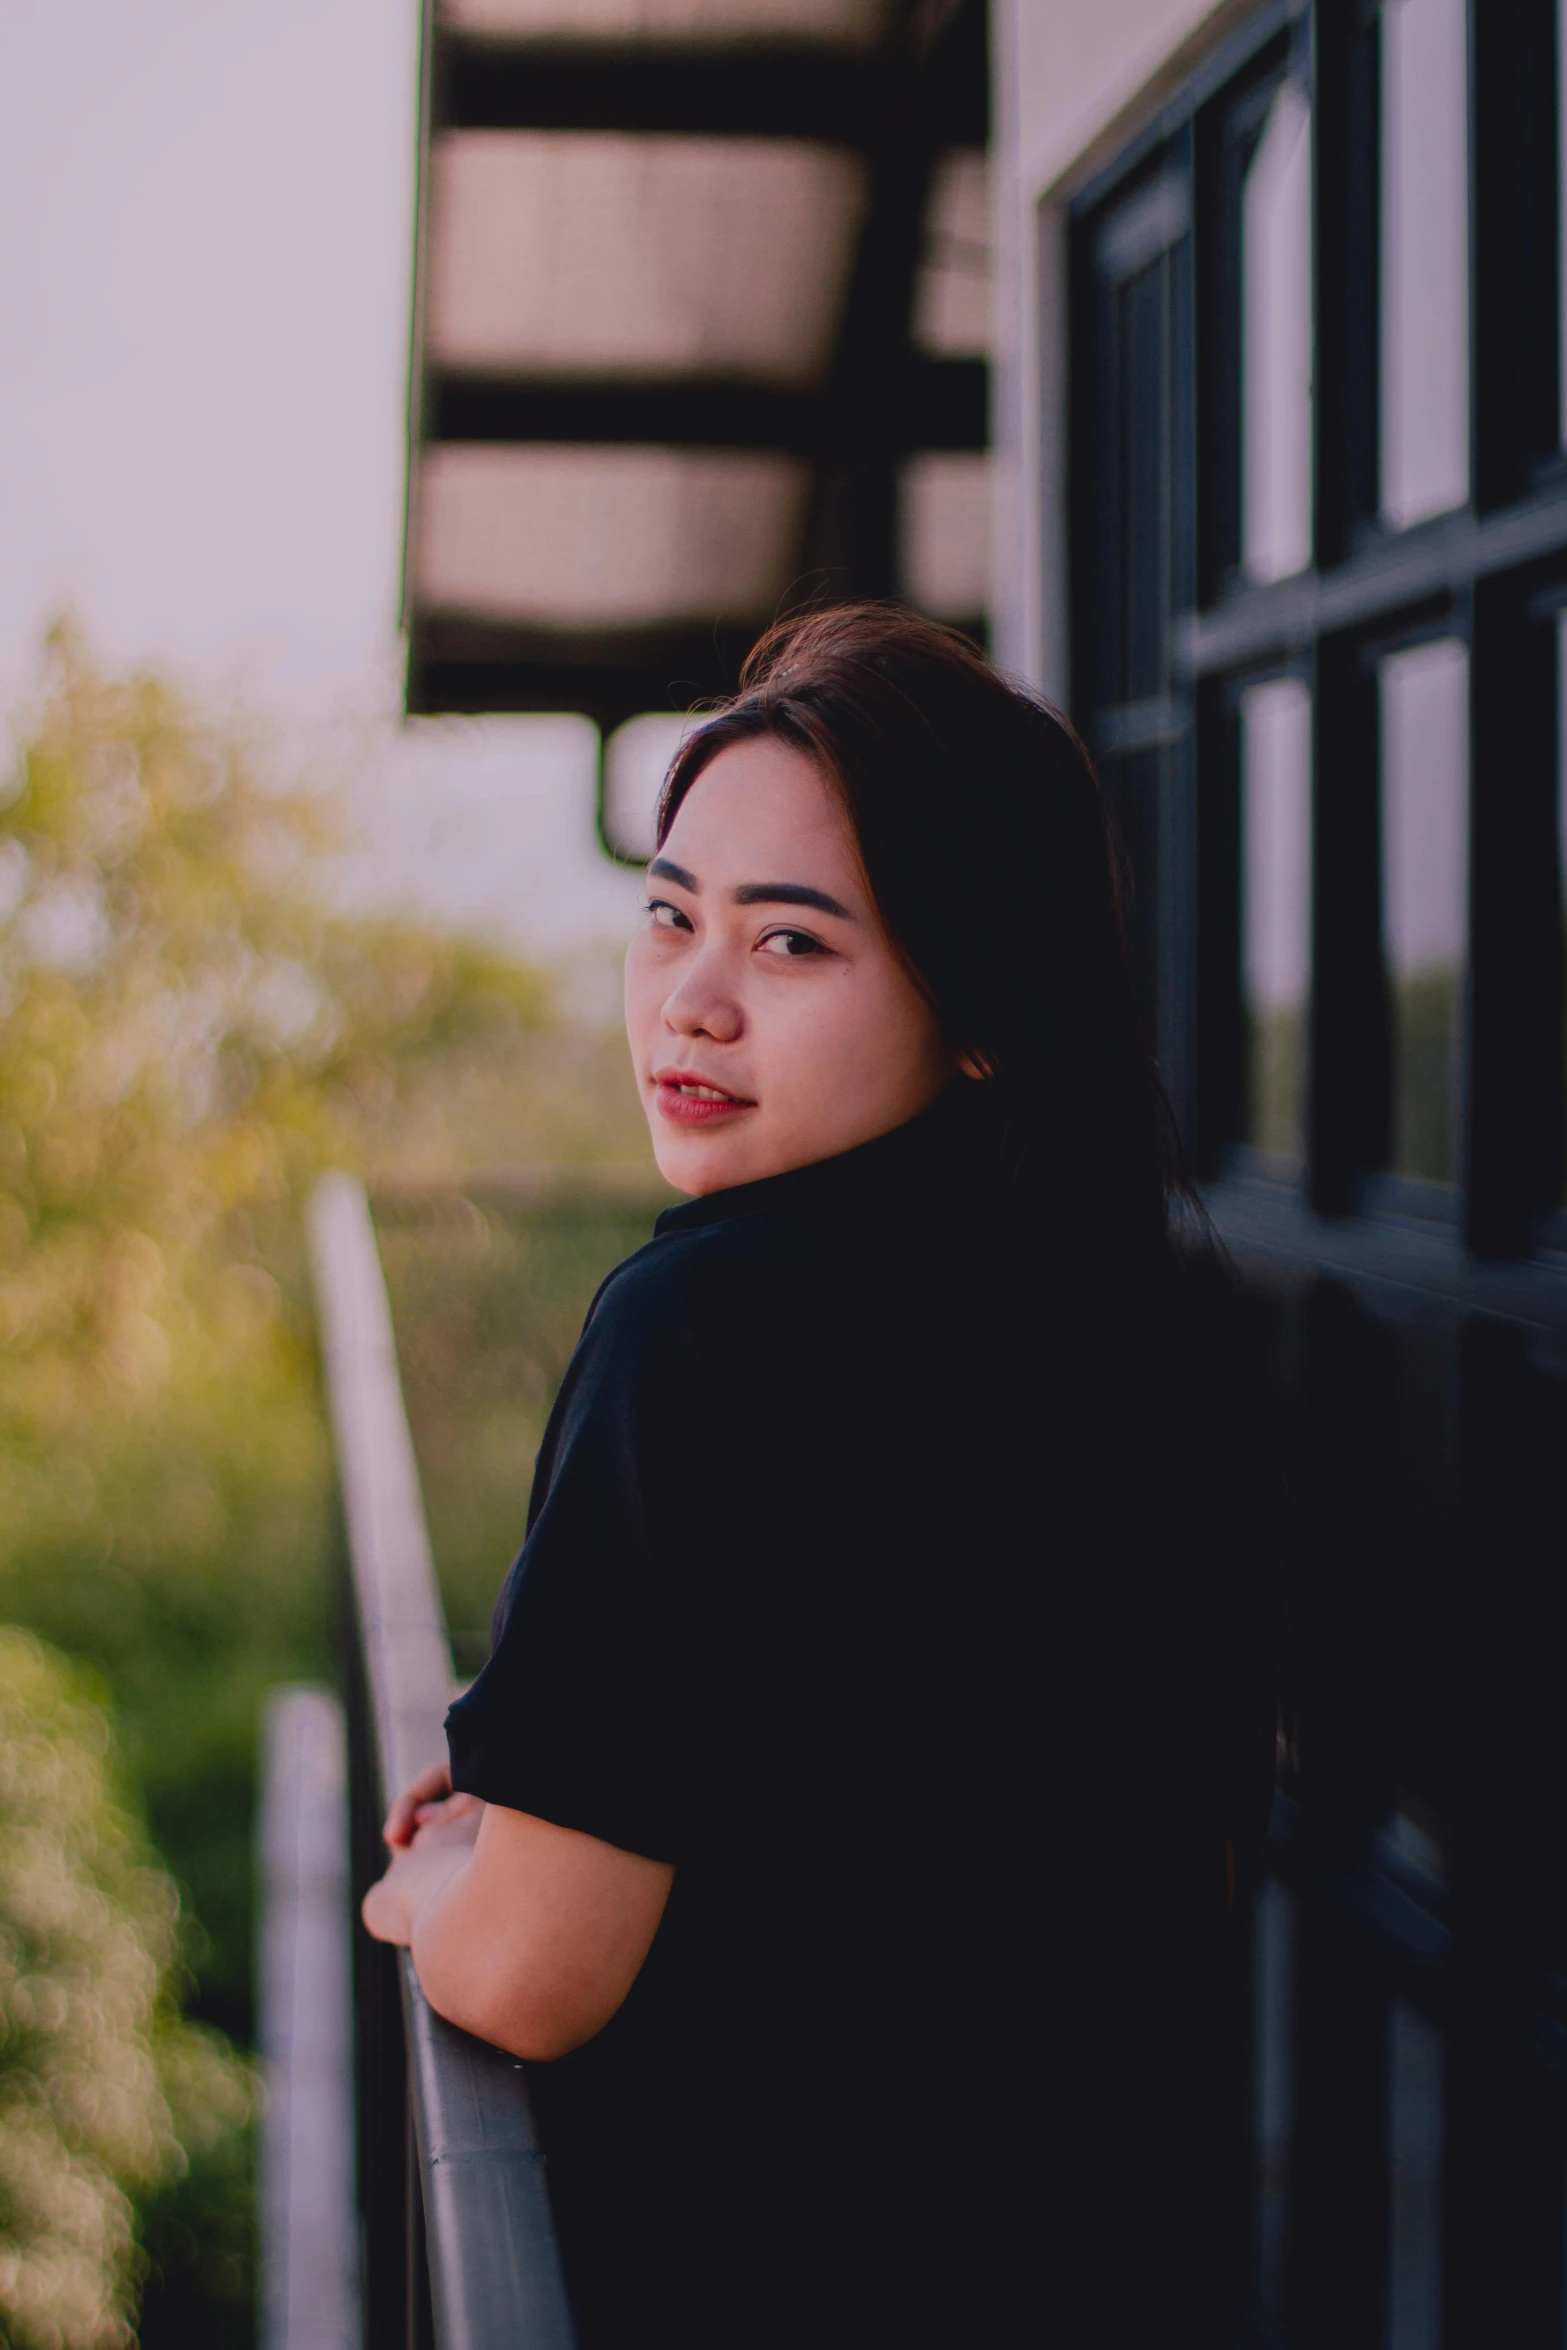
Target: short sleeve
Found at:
x=578, y=1717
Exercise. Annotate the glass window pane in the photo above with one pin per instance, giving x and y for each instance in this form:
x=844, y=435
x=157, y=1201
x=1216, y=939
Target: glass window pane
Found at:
x=1425, y=258
x=1276, y=307
x=1425, y=887
x=1276, y=910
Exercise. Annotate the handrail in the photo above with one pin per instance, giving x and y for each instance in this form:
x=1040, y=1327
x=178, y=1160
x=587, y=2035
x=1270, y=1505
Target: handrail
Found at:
x=495, y=2275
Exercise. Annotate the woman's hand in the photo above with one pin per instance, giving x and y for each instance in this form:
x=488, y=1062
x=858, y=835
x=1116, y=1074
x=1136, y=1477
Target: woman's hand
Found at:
x=523, y=1932
x=430, y=1833
x=424, y=1801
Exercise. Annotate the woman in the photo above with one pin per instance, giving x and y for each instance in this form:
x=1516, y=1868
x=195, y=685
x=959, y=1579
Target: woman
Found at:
x=848, y=1816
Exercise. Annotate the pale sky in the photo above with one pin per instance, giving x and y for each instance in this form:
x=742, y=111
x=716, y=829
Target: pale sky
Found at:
x=206, y=216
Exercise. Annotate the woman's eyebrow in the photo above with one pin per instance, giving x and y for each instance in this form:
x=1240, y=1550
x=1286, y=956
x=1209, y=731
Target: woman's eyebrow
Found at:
x=788, y=893
x=664, y=869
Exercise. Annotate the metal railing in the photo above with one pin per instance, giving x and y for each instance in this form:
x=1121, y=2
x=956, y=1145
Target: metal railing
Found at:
x=457, y=2239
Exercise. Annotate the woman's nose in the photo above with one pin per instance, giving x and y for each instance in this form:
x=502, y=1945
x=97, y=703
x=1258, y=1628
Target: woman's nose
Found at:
x=702, y=1006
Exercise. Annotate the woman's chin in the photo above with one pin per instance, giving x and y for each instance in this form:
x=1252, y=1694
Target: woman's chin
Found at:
x=700, y=1162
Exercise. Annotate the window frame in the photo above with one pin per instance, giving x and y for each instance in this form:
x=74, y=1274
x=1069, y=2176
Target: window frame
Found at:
x=1490, y=573
x=1411, y=1340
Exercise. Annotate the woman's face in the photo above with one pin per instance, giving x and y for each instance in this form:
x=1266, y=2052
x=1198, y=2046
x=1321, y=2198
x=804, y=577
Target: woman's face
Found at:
x=770, y=1022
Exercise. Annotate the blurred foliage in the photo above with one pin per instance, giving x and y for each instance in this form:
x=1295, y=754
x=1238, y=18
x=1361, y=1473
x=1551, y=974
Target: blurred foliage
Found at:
x=198, y=2230
x=488, y=1297
x=188, y=1033
x=105, y=2093
x=1427, y=1066
x=1276, y=1080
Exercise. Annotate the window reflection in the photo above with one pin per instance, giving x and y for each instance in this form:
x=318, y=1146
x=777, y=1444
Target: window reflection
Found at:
x=1425, y=258
x=1425, y=878
x=1276, y=307
x=1276, y=910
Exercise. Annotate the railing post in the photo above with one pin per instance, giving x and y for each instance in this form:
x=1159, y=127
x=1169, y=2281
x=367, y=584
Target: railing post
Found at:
x=380, y=2058
x=494, y=2266
x=309, y=2266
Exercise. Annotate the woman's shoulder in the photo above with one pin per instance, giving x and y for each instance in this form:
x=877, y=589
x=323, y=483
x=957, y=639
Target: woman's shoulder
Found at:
x=699, y=1282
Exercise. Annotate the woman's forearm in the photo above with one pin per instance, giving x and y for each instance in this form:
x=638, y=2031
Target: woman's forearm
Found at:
x=522, y=1932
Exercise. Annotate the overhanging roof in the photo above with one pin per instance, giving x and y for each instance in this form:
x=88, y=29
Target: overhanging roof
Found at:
x=700, y=330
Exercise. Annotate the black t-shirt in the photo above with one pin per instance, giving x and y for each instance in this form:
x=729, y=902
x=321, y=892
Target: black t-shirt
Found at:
x=892, y=1574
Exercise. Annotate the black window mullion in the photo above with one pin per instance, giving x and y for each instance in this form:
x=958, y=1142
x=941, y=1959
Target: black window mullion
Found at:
x=1504, y=2182
x=1514, y=247
x=1514, y=1105
x=1219, y=355
x=1133, y=535
x=1178, y=818
x=1225, y=142
x=1347, y=1651
x=1177, y=931
x=1133, y=784
x=1181, y=408
x=1338, y=2247
x=1351, y=1036
x=1142, y=305
x=1346, y=120
x=1348, y=1616
x=1221, y=1038
x=1094, y=511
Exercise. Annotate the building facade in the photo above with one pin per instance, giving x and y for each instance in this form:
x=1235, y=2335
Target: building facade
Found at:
x=1278, y=414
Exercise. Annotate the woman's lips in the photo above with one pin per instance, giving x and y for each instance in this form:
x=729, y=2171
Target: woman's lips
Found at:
x=686, y=1100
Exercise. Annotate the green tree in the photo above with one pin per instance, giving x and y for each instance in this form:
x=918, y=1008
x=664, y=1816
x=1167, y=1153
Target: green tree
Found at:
x=99, y=2076
x=188, y=1033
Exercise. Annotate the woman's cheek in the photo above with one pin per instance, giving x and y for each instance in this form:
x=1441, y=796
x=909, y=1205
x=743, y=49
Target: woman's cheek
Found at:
x=820, y=1052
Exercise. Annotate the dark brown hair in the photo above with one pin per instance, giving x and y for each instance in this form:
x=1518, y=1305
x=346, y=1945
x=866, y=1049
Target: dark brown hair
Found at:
x=991, y=857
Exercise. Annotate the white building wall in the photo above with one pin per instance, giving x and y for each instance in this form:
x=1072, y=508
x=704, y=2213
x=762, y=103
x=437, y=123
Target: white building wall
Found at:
x=1065, y=72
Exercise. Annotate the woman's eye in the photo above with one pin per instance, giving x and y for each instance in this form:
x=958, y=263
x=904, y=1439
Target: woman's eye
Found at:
x=790, y=943
x=664, y=916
